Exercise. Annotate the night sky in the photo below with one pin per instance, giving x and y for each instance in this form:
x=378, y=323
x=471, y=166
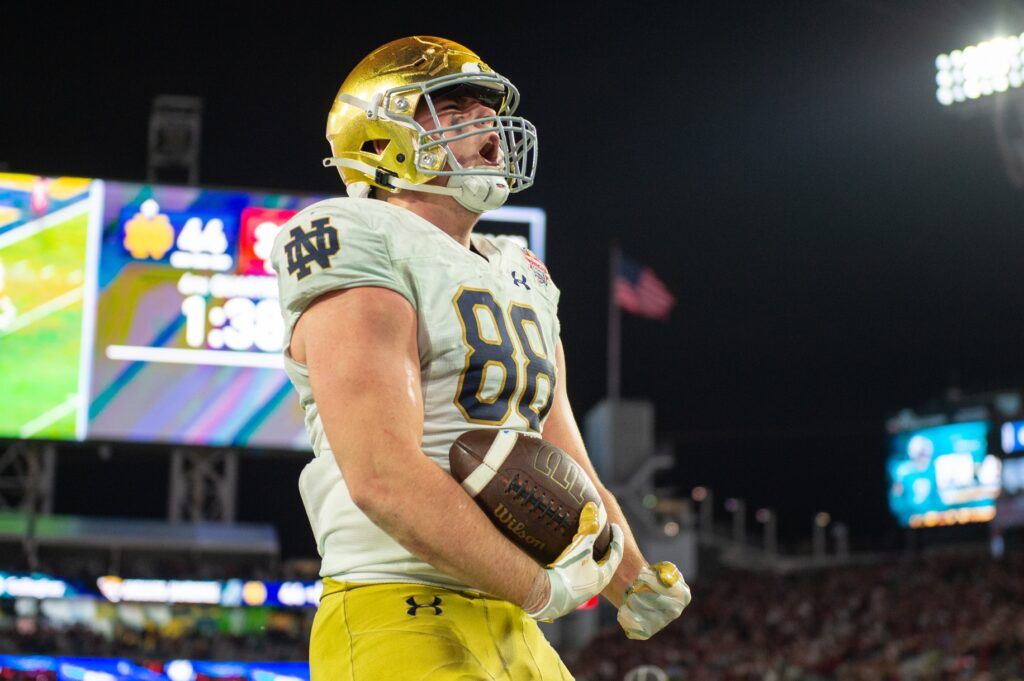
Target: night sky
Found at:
x=840, y=244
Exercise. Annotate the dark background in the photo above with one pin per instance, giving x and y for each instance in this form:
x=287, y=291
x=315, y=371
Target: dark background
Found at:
x=840, y=244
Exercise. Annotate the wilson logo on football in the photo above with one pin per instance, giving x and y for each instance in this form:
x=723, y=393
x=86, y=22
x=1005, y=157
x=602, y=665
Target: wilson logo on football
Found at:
x=506, y=518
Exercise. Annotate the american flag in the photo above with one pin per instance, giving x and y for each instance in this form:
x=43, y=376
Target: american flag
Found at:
x=639, y=291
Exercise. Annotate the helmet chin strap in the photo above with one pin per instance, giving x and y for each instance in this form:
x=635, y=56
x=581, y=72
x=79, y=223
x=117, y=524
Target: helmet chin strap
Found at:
x=475, y=193
x=479, y=193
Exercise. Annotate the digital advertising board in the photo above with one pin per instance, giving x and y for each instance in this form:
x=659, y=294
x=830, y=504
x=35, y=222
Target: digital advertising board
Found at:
x=943, y=475
x=149, y=313
x=47, y=668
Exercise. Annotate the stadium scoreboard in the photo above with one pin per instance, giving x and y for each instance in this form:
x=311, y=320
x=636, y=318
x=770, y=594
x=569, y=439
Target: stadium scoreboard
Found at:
x=149, y=313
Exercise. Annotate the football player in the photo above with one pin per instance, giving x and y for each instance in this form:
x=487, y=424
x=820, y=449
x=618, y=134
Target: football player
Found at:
x=403, y=329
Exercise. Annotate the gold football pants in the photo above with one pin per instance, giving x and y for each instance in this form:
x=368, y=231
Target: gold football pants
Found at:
x=410, y=632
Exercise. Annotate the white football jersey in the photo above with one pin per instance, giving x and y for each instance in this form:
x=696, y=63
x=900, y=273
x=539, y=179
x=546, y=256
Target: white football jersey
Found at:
x=487, y=332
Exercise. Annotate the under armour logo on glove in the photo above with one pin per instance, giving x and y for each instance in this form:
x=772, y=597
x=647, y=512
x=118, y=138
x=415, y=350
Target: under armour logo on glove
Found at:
x=414, y=606
x=317, y=245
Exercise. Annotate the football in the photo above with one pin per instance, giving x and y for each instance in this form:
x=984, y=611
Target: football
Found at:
x=530, y=489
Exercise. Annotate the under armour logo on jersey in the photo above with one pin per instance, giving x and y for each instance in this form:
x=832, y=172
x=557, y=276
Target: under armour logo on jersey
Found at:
x=414, y=606
x=520, y=281
x=317, y=245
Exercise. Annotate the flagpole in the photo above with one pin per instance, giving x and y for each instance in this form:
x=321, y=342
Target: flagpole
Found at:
x=614, y=327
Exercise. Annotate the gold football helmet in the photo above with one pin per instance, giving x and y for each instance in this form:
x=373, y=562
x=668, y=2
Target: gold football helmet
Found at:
x=376, y=141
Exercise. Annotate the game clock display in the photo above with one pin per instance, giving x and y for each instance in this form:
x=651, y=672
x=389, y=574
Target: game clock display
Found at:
x=149, y=313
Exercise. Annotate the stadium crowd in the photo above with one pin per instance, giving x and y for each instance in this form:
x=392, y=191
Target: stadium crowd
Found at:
x=944, y=618
x=284, y=637
x=948, y=618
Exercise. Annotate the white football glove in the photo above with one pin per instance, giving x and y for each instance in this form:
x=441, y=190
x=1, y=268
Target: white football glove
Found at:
x=656, y=597
x=575, y=576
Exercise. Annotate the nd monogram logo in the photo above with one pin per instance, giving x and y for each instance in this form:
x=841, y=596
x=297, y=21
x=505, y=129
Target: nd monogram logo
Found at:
x=414, y=606
x=317, y=245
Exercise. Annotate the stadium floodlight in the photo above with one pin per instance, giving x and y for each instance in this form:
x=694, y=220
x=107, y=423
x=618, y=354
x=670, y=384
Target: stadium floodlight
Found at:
x=980, y=70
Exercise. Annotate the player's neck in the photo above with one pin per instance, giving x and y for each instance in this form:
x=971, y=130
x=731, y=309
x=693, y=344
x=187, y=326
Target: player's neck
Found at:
x=443, y=212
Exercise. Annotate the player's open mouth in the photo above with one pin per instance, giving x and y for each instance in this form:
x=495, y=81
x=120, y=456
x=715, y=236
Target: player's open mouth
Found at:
x=490, y=152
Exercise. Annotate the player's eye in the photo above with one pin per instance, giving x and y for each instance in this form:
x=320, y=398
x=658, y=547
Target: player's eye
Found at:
x=451, y=115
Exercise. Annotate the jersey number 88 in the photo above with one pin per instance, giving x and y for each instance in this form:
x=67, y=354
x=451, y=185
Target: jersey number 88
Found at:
x=526, y=387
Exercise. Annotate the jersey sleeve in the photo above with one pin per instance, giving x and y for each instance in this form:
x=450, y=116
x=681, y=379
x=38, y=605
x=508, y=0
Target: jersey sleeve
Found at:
x=329, y=247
